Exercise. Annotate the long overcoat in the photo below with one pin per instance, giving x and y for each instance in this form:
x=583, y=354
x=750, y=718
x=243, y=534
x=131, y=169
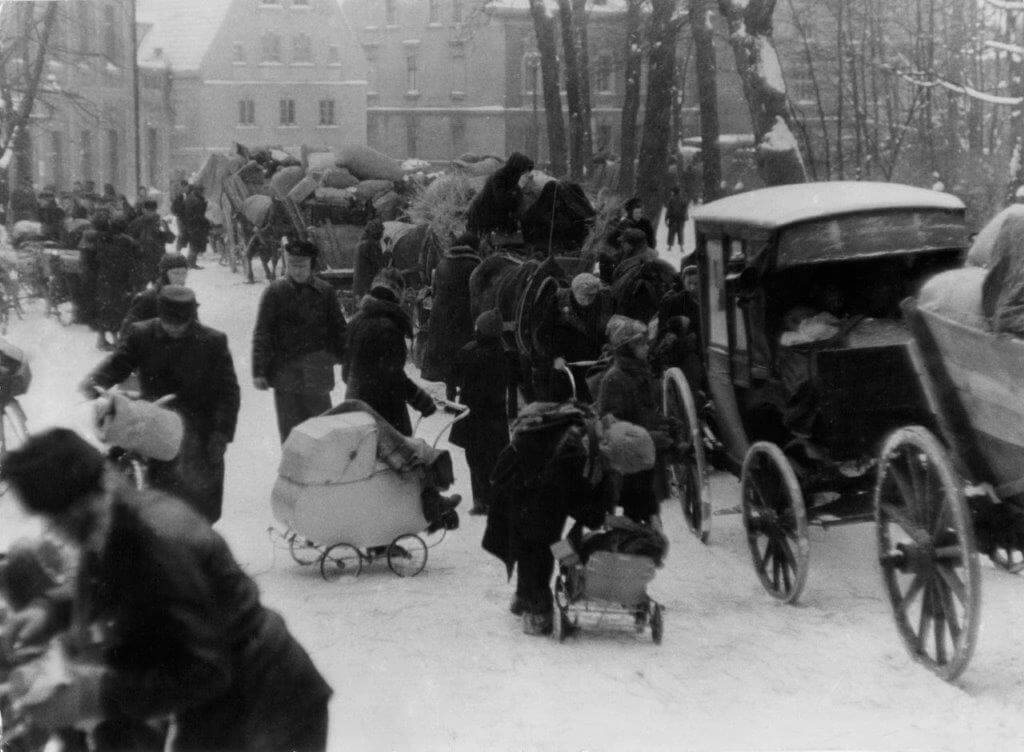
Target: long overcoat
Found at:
x=108, y=261
x=451, y=318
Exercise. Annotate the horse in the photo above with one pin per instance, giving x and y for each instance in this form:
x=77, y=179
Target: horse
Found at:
x=262, y=242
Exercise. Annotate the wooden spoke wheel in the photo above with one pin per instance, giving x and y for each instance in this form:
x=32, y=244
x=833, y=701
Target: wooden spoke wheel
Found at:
x=775, y=519
x=926, y=550
x=407, y=555
x=340, y=559
x=688, y=475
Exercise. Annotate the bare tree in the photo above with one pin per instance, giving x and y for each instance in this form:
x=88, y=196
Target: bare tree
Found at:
x=633, y=57
x=544, y=28
x=663, y=32
x=579, y=13
x=570, y=54
x=750, y=32
x=702, y=27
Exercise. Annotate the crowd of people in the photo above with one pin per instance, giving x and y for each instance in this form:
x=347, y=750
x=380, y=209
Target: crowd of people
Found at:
x=185, y=632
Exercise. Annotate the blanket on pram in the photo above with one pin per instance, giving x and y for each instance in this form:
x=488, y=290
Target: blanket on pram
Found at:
x=624, y=536
x=402, y=453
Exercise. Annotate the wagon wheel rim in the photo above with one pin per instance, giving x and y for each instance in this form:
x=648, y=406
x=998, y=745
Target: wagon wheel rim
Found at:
x=926, y=550
x=690, y=477
x=407, y=555
x=302, y=551
x=775, y=520
x=340, y=559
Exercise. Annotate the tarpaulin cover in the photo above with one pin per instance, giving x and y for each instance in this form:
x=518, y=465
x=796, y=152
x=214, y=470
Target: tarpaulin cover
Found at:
x=369, y=164
x=980, y=253
x=560, y=214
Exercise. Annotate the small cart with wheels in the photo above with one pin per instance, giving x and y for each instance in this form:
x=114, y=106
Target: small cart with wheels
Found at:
x=349, y=493
x=608, y=584
x=824, y=410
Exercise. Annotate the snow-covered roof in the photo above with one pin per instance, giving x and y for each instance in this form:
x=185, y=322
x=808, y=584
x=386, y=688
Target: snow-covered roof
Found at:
x=771, y=208
x=182, y=30
x=611, y=7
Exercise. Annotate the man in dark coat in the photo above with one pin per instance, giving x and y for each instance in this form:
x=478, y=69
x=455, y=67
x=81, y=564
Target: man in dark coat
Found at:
x=482, y=371
x=369, y=258
x=633, y=218
x=108, y=259
x=299, y=336
x=197, y=226
x=375, y=355
x=573, y=330
x=173, y=270
x=675, y=217
x=495, y=207
x=152, y=234
x=51, y=216
x=175, y=354
x=161, y=619
x=451, y=319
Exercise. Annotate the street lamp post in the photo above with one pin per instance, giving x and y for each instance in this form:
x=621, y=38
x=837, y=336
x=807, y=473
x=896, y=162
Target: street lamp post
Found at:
x=534, y=68
x=135, y=98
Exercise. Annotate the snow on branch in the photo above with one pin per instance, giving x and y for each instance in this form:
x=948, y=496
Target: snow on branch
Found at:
x=1013, y=49
x=917, y=79
x=1010, y=5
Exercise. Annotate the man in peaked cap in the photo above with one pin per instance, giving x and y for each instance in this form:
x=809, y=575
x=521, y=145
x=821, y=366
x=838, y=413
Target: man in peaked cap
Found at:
x=175, y=354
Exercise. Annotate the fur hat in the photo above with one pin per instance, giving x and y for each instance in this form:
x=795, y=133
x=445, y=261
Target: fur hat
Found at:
x=585, y=283
x=301, y=248
x=489, y=324
x=634, y=237
x=176, y=304
x=53, y=470
x=172, y=261
x=631, y=204
x=623, y=331
x=384, y=289
x=628, y=447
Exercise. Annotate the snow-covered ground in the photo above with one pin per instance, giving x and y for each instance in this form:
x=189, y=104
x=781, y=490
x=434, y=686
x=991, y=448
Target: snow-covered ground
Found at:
x=436, y=662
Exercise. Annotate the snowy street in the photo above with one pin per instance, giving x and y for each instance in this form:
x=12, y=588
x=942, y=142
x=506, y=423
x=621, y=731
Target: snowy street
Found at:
x=436, y=662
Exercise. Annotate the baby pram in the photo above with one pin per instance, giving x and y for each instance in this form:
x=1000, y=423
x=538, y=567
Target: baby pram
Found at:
x=350, y=490
x=606, y=573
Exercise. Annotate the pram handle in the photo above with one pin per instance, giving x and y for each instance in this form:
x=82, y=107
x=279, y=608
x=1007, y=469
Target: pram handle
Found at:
x=456, y=409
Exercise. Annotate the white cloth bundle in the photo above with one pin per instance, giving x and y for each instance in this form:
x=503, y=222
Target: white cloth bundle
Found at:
x=147, y=428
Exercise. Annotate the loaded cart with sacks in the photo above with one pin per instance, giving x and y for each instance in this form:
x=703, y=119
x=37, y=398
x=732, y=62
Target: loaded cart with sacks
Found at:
x=351, y=489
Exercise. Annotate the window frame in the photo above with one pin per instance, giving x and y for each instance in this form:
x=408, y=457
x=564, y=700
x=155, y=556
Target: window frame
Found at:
x=266, y=37
x=303, y=43
x=286, y=113
x=328, y=106
x=247, y=112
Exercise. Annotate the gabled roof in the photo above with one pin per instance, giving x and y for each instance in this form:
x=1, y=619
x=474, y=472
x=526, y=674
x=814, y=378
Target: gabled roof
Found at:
x=182, y=30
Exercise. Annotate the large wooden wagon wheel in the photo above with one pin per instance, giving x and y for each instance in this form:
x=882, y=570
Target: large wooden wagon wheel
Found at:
x=926, y=550
x=775, y=519
x=689, y=475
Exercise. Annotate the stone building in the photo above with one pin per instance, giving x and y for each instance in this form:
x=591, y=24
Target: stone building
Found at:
x=82, y=122
x=281, y=73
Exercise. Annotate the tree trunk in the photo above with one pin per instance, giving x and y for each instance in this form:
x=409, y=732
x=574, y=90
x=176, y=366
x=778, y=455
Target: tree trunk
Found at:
x=706, y=68
x=572, y=88
x=652, y=170
x=750, y=32
x=544, y=27
x=579, y=13
x=1015, y=134
x=631, y=96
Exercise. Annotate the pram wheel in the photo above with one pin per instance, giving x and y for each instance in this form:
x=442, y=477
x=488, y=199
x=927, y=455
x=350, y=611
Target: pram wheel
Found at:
x=657, y=623
x=340, y=559
x=407, y=555
x=302, y=551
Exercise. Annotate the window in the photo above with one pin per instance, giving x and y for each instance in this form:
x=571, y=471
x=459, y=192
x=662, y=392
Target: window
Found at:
x=237, y=52
x=302, y=49
x=604, y=80
x=152, y=154
x=327, y=112
x=433, y=11
x=111, y=46
x=531, y=71
x=114, y=157
x=270, y=48
x=87, y=155
x=410, y=136
x=456, y=11
x=287, y=112
x=246, y=112
x=604, y=137
x=333, y=54
x=390, y=13
x=411, y=69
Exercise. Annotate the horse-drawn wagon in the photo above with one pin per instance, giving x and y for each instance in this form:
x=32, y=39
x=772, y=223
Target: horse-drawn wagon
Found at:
x=834, y=405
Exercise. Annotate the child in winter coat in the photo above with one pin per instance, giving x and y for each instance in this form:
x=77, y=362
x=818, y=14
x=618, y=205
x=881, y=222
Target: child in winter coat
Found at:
x=482, y=372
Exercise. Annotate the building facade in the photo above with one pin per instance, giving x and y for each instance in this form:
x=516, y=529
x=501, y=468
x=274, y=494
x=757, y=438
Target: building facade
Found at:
x=82, y=125
x=279, y=73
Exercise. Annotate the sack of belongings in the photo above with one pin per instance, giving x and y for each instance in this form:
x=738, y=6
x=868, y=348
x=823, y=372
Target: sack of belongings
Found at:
x=369, y=164
x=285, y=179
x=147, y=428
x=956, y=295
x=367, y=190
x=256, y=209
x=338, y=177
x=302, y=190
x=1002, y=294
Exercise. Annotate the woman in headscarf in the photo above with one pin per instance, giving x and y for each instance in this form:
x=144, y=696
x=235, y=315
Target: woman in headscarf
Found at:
x=494, y=208
x=369, y=258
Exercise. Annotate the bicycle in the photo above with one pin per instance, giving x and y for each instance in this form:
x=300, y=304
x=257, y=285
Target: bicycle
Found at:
x=135, y=433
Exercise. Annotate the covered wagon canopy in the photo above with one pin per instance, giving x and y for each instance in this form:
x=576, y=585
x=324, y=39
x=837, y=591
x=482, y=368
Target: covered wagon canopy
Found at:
x=811, y=223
